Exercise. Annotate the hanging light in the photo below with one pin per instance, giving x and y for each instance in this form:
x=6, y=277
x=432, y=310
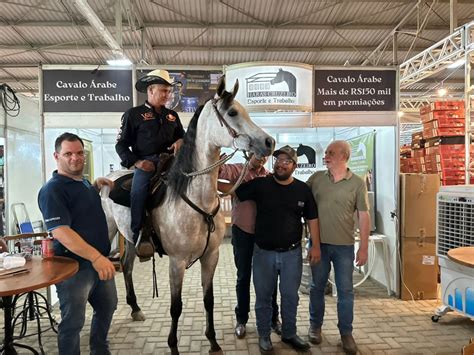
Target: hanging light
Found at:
x=119, y=60
x=442, y=92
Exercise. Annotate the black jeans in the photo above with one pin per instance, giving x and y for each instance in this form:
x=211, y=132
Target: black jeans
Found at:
x=243, y=243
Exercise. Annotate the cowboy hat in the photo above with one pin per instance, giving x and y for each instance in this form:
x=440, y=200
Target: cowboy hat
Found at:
x=158, y=76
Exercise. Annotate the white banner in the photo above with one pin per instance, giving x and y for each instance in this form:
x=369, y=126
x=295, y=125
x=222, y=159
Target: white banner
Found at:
x=271, y=86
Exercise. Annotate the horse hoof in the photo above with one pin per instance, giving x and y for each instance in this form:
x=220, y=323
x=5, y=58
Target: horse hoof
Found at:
x=215, y=349
x=138, y=316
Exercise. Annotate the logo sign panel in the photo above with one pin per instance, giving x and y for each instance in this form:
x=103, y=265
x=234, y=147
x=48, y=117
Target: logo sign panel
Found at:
x=197, y=87
x=354, y=90
x=266, y=87
x=87, y=91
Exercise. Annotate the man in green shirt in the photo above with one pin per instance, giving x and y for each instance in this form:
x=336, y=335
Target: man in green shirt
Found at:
x=338, y=194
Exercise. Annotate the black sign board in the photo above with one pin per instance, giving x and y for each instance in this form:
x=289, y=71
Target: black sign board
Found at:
x=87, y=91
x=354, y=90
x=197, y=87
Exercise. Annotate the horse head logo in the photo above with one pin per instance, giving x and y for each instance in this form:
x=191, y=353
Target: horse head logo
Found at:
x=287, y=77
x=309, y=152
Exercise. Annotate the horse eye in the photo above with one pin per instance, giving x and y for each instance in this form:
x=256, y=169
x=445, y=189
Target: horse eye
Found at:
x=232, y=112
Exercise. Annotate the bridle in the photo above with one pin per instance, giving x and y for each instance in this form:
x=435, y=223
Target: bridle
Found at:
x=209, y=217
x=224, y=158
x=222, y=120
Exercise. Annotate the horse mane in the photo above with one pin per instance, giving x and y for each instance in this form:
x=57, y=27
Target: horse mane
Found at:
x=184, y=162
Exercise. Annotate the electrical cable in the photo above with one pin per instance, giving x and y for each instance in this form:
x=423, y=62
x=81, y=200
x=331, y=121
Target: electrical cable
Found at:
x=9, y=101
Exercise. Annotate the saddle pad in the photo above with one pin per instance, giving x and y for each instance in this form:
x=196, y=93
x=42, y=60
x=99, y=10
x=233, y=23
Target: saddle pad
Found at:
x=119, y=194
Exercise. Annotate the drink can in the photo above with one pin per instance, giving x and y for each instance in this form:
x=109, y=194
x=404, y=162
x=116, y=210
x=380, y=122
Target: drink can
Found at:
x=47, y=249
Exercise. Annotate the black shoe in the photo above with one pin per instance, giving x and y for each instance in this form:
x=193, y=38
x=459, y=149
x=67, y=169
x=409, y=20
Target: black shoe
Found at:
x=276, y=326
x=144, y=248
x=297, y=343
x=348, y=344
x=240, y=330
x=265, y=344
x=314, y=335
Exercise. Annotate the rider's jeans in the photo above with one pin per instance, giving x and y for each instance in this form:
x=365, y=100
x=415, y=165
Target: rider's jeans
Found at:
x=138, y=196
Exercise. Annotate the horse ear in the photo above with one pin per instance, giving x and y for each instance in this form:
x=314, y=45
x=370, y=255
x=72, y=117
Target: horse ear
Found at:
x=221, y=86
x=235, y=89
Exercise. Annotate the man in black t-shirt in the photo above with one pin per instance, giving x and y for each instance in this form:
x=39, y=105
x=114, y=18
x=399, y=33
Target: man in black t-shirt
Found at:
x=281, y=202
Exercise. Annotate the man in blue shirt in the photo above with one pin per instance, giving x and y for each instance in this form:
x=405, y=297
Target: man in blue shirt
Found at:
x=72, y=211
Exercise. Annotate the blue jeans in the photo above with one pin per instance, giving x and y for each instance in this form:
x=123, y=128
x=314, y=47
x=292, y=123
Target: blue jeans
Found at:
x=267, y=265
x=243, y=243
x=342, y=257
x=73, y=294
x=138, y=196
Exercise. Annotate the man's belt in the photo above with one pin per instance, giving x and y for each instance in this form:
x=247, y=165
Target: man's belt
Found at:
x=282, y=250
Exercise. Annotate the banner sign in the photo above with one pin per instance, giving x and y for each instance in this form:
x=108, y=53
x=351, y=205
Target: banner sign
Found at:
x=362, y=157
x=87, y=91
x=354, y=90
x=198, y=86
x=265, y=87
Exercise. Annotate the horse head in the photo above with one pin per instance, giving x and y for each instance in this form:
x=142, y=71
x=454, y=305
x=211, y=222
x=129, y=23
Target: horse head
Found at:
x=279, y=77
x=234, y=127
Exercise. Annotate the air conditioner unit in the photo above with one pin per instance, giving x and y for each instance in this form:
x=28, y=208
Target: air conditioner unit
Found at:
x=455, y=229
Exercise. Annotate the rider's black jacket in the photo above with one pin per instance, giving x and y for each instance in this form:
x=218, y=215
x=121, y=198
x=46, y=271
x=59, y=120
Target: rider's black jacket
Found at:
x=147, y=132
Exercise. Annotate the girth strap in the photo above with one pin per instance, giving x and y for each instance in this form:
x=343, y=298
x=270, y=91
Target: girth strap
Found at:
x=208, y=218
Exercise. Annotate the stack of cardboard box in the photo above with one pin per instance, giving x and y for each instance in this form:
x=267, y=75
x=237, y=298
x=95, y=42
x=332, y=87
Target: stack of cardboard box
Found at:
x=418, y=236
x=443, y=132
x=410, y=157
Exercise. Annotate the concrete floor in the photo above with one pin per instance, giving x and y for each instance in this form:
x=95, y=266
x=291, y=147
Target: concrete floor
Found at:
x=382, y=325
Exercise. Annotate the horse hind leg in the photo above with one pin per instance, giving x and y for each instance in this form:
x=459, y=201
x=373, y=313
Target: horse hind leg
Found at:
x=127, y=265
x=176, y=285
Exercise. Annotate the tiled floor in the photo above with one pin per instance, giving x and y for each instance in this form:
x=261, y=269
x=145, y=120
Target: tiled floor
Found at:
x=382, y=325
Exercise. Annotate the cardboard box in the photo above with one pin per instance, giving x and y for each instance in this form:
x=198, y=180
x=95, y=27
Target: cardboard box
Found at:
x=468, y=349
x=419, y=269
x=418, y=204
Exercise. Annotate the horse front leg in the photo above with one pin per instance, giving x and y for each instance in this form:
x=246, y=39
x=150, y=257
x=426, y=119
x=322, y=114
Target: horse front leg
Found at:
x=208, y=268
x=127, y=264
x=176, y=285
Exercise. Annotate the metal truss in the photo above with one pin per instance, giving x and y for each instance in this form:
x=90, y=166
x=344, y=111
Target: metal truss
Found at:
x=438, y=56
x=413, y=104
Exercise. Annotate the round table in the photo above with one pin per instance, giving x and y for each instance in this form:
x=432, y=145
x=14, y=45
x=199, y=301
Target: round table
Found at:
x=463, y=256
x=42, y=273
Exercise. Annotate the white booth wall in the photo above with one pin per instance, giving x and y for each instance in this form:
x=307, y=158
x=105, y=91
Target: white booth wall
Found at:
x=23, y=170
x=385, y=174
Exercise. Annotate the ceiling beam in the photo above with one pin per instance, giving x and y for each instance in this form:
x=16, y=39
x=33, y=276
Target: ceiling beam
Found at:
x=196, y=48
x=237, y=26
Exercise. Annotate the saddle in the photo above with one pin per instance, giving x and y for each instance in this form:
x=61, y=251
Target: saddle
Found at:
x=121, y=195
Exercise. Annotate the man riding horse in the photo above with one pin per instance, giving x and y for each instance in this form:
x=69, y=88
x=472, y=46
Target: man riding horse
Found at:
x=147, y=131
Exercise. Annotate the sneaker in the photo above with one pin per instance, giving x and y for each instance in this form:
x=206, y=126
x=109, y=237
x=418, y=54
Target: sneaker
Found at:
x=314, y=335
x=349, y=344
x=240, y=330
x=276, y=327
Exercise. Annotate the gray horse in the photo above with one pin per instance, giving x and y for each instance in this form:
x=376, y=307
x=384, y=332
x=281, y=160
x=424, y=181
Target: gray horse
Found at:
x=186, y=233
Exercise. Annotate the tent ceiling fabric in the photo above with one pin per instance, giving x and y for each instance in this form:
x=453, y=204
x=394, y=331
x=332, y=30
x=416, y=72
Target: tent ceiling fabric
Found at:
x=218, y=32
